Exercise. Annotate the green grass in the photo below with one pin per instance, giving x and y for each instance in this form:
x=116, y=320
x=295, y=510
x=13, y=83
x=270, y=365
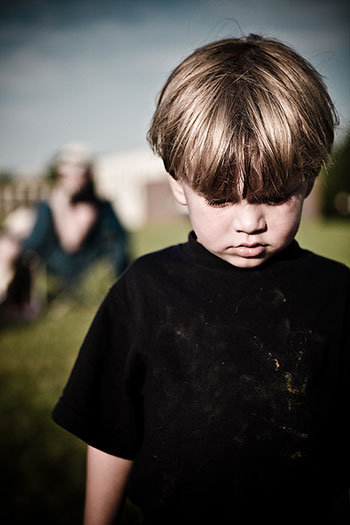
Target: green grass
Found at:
x=42, y=468
x=157, y=236
x=330, y=238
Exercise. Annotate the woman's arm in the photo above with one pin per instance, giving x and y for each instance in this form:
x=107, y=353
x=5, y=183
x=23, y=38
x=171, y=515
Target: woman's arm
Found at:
x=105, y=487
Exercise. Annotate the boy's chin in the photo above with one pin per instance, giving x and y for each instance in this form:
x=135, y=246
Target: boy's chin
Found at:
x=245, y=262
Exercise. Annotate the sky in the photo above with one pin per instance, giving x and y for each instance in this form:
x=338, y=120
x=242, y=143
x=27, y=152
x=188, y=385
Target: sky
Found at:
x=90, y=71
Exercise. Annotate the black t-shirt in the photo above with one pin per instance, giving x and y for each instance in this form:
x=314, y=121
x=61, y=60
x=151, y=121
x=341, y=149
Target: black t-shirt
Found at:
x=226, y=386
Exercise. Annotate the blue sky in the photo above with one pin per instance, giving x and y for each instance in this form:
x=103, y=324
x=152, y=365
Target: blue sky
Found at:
x=91, y=70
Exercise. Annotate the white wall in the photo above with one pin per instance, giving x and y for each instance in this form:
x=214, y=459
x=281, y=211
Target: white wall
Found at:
x=122, y=178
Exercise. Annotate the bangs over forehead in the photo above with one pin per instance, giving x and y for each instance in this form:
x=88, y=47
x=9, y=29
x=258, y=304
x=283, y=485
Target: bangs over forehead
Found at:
x=243, y=113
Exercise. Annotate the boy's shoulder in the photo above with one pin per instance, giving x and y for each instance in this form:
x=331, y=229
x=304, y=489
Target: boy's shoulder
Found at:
x=147, y=276
x=321, y=274
x=324, y=264
x=153, y=266
x=154, y=260
x=318, y=276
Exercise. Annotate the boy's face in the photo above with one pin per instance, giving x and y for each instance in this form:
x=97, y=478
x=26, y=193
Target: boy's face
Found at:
x=243, y=234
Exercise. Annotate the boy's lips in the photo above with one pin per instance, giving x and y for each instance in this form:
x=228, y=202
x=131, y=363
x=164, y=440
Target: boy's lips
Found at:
x=249, y=250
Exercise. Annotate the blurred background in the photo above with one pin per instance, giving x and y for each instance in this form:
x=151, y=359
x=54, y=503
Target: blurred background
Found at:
x=89, y=72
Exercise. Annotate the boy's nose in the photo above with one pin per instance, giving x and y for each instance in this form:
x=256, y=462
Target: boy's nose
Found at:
x=249, y=218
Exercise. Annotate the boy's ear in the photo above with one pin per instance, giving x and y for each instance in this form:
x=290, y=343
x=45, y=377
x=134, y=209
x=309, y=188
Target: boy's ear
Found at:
x=178, y=191
x=309, y=187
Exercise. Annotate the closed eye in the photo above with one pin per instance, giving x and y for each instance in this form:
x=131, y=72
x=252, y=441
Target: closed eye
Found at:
x=276, y=200
x=218, y=204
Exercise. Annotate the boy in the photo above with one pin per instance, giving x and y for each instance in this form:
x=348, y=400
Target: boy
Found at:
x=211, y=383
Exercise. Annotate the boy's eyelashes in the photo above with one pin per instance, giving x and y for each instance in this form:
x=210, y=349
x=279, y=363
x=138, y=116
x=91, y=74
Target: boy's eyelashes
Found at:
x=271, y=201
x=219, y=203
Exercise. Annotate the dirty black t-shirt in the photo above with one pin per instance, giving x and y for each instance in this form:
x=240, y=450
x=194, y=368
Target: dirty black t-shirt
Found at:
x=226, y=386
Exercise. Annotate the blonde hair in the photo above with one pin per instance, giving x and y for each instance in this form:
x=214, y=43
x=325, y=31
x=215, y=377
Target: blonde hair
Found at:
x=243, y=112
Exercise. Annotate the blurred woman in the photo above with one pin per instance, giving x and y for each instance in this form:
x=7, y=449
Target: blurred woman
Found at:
x=72, y=229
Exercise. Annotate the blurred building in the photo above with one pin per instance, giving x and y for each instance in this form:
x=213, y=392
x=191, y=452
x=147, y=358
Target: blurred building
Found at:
x=137, y=184
x=313, y=204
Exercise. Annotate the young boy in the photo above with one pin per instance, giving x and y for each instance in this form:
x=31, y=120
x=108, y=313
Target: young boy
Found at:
x=211, y=384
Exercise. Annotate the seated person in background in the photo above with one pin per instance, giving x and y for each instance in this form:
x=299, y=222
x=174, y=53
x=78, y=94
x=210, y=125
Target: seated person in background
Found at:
x=74, y=227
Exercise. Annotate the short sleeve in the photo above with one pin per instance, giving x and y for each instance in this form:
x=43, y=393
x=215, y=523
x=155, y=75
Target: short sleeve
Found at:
x=100, y=402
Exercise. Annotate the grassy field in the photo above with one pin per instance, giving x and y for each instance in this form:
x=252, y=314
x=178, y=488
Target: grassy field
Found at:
x=42, y=467
x=328, y=238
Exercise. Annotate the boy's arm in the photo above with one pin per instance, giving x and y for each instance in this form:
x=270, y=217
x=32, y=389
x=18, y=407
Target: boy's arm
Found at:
x=105, y=486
